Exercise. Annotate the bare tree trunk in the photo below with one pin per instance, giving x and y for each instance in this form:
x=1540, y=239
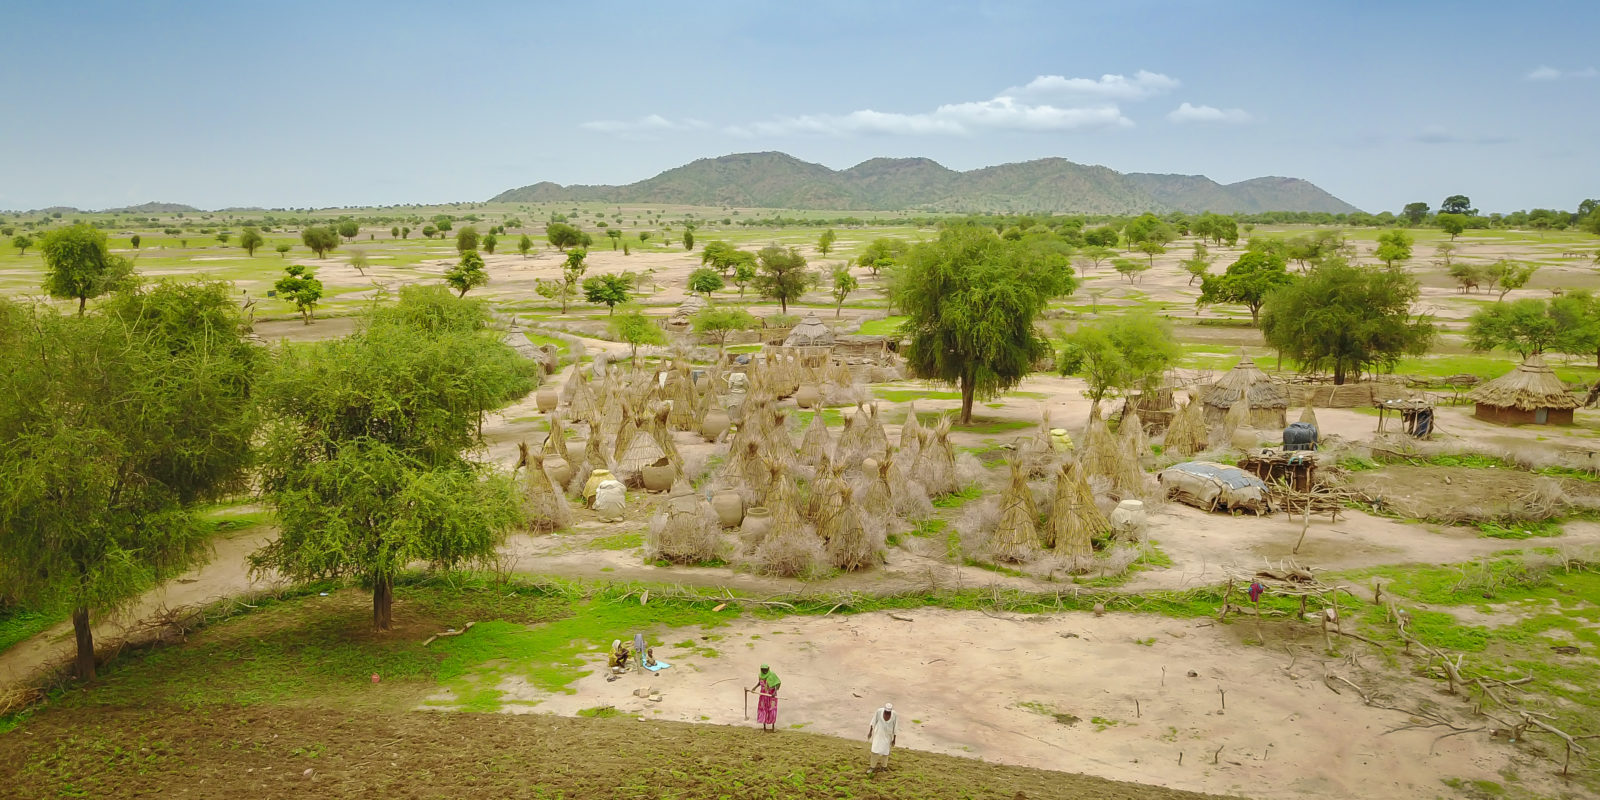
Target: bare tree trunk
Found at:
x=382, y=602
x=967, y=393
x=83, y=667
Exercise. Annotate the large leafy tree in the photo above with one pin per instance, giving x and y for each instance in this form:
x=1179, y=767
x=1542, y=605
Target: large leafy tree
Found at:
x=1120, y=354
x=611, y=289
x=825, y=242
x=1394, y=246
x=882, y=252
x=467, y=239
x=1524, y=326
x=705, y=280
x=78, y=264
x=1508, y=275
x=320, y=239
x=249, y=239
x=781, y=275
x=562, y=236
x=1246, y=282
x=300, y=286
x=364, y=455
x=113, y=426
x=468, y=274
x=1457, y=204
x=636, y=328
x=1415, y=213
x=1345, y=319
x=719, y=322
x=970, y=299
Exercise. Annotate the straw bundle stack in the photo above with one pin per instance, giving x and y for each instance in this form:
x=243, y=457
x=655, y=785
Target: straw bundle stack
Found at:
x=556, y=443
x=1309, y=417
x=911, y=431
x=875, y=439
x=851, y=448
x=594, y=457
x=936, y=467
x=850, y=545
x=783, y=500
x=582, y=404
x=824, y=492
x=1101, y=455
x=684, y=530
x=663, y=436
x=1075, y=520
x=626, y=430
x=642, y=452
x=1238, y=415
x=680, y=390
x=817, y=444
x=547, y=510
x=1187, y=433
x=1131, y=431
x=877, y=499
x=1016, y=537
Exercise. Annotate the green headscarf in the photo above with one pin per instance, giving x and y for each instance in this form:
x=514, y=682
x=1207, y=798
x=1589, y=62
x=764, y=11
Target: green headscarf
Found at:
x=770, y=678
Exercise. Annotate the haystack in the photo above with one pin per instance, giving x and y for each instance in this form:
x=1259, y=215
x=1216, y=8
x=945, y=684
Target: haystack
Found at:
x=783, y=499
x=681, y=393
x=823, y=500
x=1309, y=417
x=547, y=510
x=1131, y=431
x=911, y=431
x=1237, y=417
x=811, y=332
x=817, y=444
x=1016, y=537
x=594, y=457
x=684, y=530
x=663, y=435
x=556, y=443
x=936, y=466
x=1100, y=454
x=850, y=546
x=642, y=451
x=877, y=499
x=582, y=404
x=1266, y=402
x=1531, y=393
x=1075, y=520
x=852, y=445
x=1187, y=433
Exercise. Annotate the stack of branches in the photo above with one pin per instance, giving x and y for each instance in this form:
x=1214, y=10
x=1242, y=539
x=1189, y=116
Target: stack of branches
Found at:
x=684, y=529
x=546, y=510
x=556, y=443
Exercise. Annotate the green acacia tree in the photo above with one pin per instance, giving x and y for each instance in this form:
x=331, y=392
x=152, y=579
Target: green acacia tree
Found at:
x=843, y=284
x=1129, y=268
x=744, y=270
x=781, y=275
x=571, y=274
x=720, y=322
x=562, y=236
x=300, y=286
x=466, y=239
x=250, y=239
x=615, y=235
x=22, y=242
x=688, y=239
x=1393, y=247
x=970, y=301
x=1246, y=282
x=705, y=280
x=1199, y=263
x=468, y=274
x=282, y=248
x=1507, y=275
x=490, y=242
x=825, y=242
x=611, y=289
x=882, y=252
x=363, y=455
x=1119, y=354
x=320, y=239
x=524, y=245
x=349, y=228
x=79, y=265
x=358, y=260
x=115, y=425
x=1346, y=319
x=1522, y=326
x=633, y=327
x=1452, y=224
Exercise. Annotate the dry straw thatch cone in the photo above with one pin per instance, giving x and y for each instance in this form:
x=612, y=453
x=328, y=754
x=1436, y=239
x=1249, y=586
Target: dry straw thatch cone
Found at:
x=911, y=430
x=936, y=467
x=684, y=530
x=1016, y=536
x=556, y=443
x=876, y=439
x=1309, y=416
x=1101, y=456
x=1131, y=431
x=546, y=508
x=850, y=545
x=1187, y=433
x=817, y=444
x=1238, y=415
x=1076, y=520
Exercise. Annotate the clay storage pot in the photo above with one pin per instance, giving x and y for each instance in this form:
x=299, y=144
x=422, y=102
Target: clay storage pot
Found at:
x=807, y=396
x=757, y=524
x=729, y=506
x=547, y=399
x=658, y=476
x=558, y=469
x=714, y=424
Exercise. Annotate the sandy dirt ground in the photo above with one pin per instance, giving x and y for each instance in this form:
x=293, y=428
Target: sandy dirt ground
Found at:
x=1123, y=696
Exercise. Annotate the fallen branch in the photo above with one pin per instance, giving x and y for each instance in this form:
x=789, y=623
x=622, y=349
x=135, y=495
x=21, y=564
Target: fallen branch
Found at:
x=464, y=629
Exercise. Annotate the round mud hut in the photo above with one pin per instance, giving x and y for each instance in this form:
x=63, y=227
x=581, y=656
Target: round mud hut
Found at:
x=1268, y=402
x=810, y=333
x=1531, y=393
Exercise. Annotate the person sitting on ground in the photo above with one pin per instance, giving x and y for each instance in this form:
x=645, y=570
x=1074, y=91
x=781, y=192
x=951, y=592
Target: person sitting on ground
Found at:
x=619, y=656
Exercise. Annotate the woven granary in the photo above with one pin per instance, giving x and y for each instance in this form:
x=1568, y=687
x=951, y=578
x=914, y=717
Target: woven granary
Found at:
x=1267, y=402
x=1531, y=393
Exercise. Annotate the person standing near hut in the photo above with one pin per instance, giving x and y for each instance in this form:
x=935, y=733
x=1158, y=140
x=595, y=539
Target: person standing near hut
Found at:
x=880, y=735
x=766, y=689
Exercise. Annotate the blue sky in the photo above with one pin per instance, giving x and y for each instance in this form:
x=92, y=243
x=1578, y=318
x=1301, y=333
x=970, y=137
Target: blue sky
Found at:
x=297, y=104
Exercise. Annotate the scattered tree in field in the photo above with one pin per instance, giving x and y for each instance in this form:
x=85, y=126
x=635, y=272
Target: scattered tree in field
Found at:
x=705, y=280
x=394, y=231
x=78, y=264
x=490, y=242
x=1147, y=228
x=1105, y=236
x=358, y=259
x=405, y=233
x=1129, y=267
x=524, y=245
x=882, y=252
x=615, y=235
x=843, y=284
x=644, y=236
x=320, y=239
x=1508, y=275
x=1151, y=248
x=1120, y=354
x=364, y=453
x=744, y=270
x=1452, y=224
x=562, y=236
x=688, y=240
x=970, y=299
x=223, y=237
x=720, y=322
x=1522, y=326
x=1216, y=228
x=22, y=242
x=1457, y=204
x=428, y=231
x=1246, y=282
x=635, y=328
x=1394, y=246
x=571, y=273
x=825, y=242
x=558, y=291
x=349, y=229
x=1415, y=213
x=1591, y=222
x=467, y=274
x=134, y=240
x=300, y=286
x=283, y=248
x=1094, y=255
x=250, y=239
x=1199, y=263
x=611, y=289
x=1577, y=316
x=1470, y=275
x=118, y=424
x=1346, y=319
x=781, y=275
x=466, y=239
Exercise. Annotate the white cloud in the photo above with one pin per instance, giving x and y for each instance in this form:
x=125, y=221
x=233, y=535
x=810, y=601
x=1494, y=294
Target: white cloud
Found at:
x=1113, y=87
x=1544, y=73
x=956, y=119
x=1193, y=113
x=1433, y=134
x=651, y=124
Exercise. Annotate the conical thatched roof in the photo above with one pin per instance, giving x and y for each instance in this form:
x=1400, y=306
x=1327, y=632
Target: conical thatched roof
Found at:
x=1530, y=386
x=1248, y=380
x=809, y=333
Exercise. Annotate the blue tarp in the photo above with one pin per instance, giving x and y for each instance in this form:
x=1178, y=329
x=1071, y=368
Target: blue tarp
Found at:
x=1231, y=477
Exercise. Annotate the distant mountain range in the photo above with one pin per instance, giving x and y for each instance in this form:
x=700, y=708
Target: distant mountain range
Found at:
x=779, y=180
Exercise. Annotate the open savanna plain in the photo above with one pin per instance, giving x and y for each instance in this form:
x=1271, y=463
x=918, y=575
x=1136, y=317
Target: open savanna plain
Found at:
x=1149, y=678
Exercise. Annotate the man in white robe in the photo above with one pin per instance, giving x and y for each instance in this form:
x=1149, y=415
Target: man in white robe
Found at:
x=880, y=733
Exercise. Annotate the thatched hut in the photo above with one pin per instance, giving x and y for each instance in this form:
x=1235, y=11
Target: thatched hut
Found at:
x=1529, y=393
x=1267, y=402
x=810, y=333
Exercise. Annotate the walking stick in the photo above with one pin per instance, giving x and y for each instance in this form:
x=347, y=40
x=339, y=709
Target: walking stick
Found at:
x=747, y=704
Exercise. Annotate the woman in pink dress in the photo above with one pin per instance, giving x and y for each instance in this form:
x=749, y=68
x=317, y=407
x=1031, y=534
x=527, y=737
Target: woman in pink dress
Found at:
x=766, y=689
